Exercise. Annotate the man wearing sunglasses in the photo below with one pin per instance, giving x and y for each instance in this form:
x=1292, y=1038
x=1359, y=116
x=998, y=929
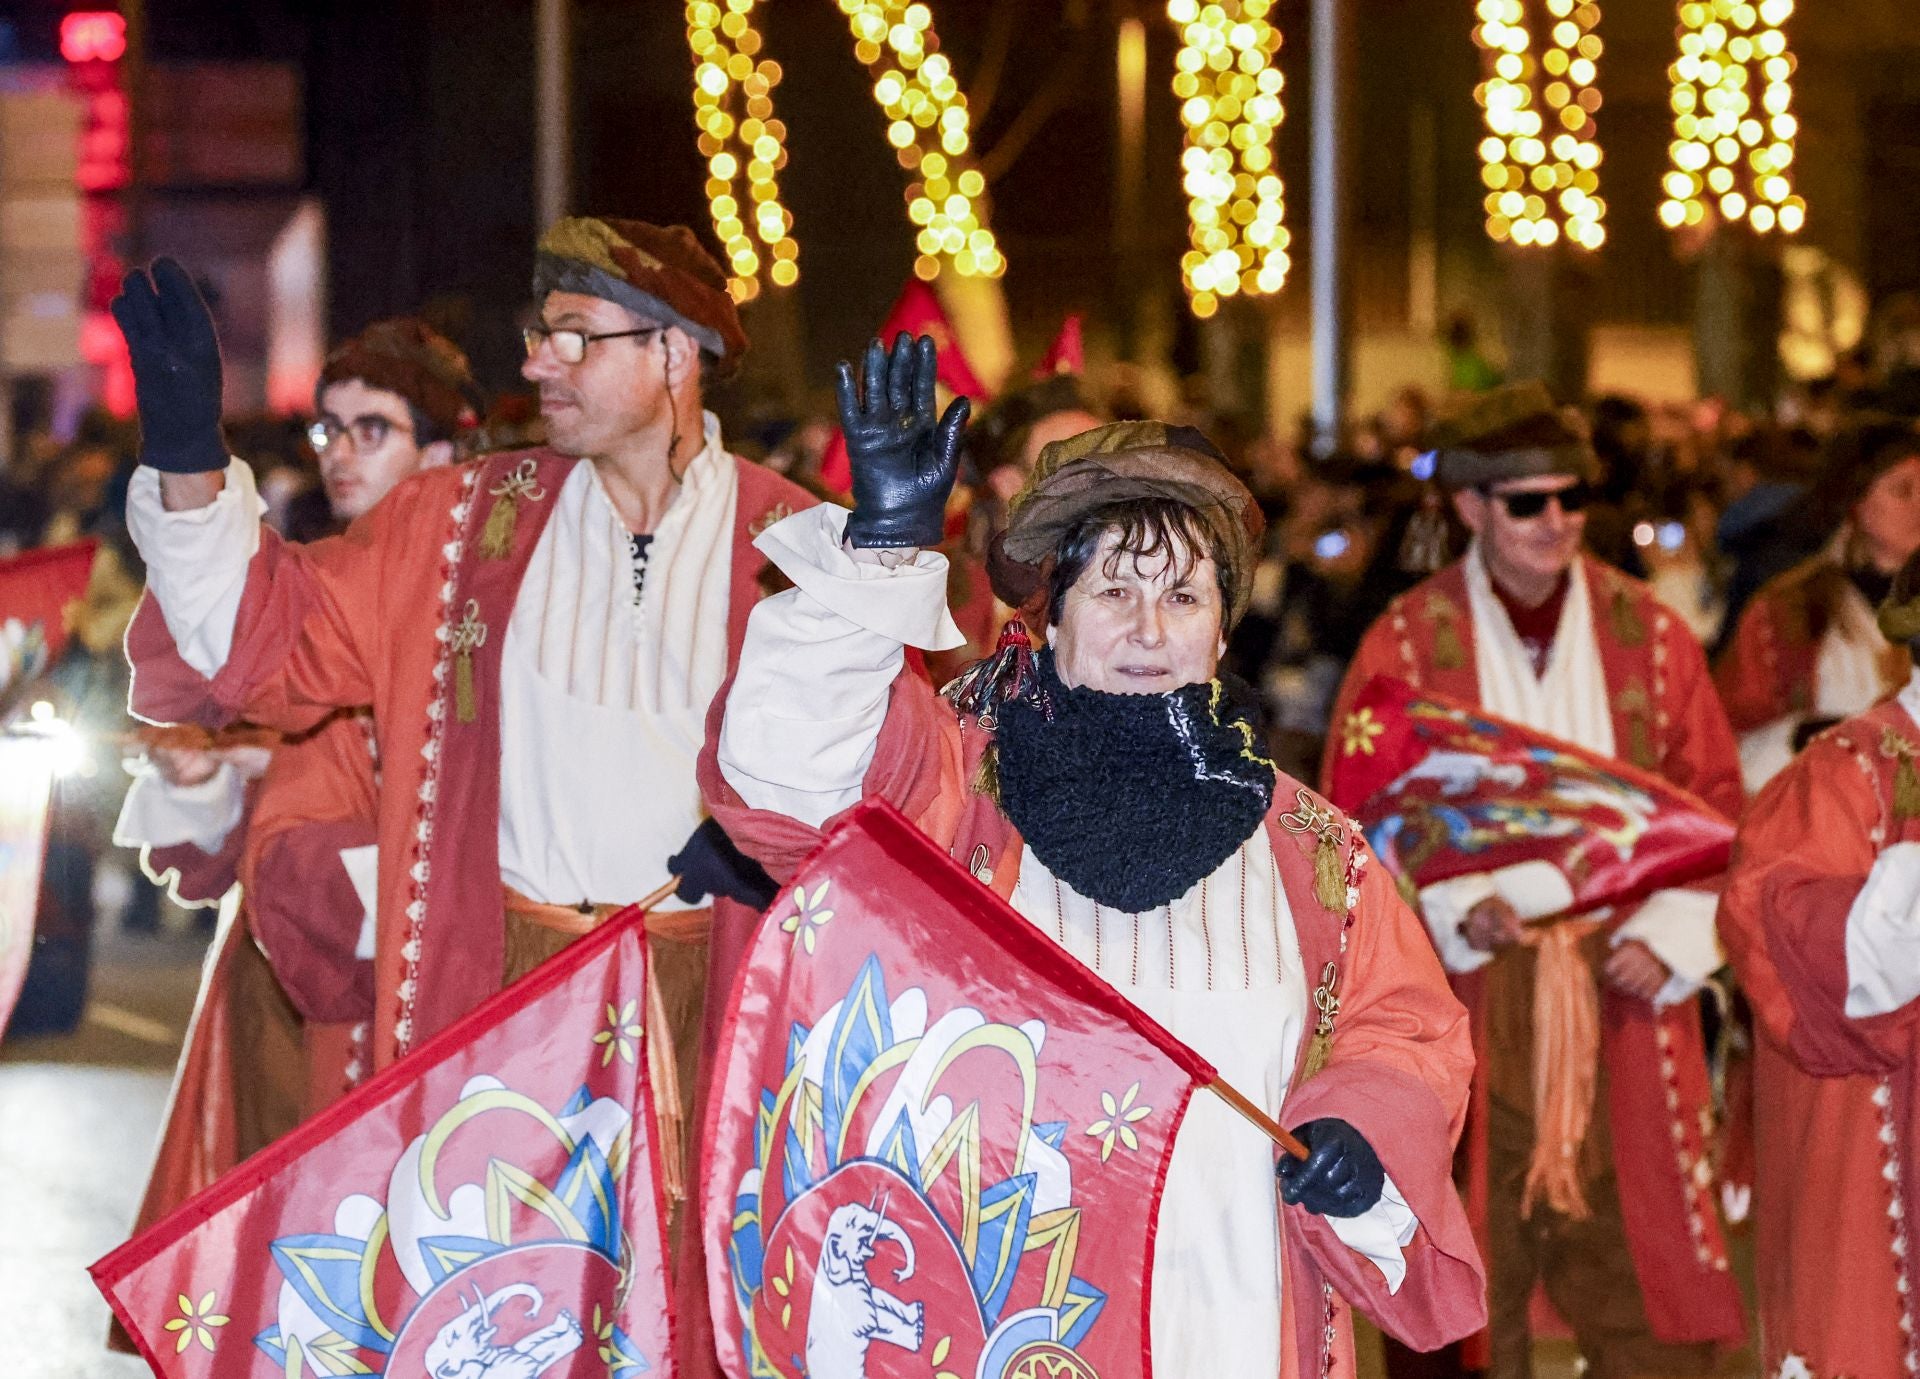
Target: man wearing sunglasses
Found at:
x=540, y=636
x=1590, y=1151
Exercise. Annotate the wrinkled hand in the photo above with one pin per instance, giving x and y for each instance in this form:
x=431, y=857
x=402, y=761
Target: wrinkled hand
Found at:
x=176, y=369
x=710, y=865
x=1341, y=1175
x=903, y=459
x=1633, y=969
x=1491, y=925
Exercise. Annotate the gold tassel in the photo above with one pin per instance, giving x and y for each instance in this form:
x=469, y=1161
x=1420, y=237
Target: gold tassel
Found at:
x=1319, y=1050
x=1906, y=790
x=1448, y=654
x=496, y=539
x=986, y=776
x=1330, y=872
x=463, y=705
x=1628, y=627
x=1326, y=1000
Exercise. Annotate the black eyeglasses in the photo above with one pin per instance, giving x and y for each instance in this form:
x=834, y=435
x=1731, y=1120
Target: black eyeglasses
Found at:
x=369, y=432
x=570, y=346
x=1522, y=506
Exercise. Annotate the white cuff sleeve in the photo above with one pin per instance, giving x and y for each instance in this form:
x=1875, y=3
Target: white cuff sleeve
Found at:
x=1534, y=890
x=363, y=869
x=1678, y=927
x=818, y=664
x=1765, y=750
x=1883, y=935
x=1381, y=1233
x=197, y=560
x=160, y=815
x=907, y=603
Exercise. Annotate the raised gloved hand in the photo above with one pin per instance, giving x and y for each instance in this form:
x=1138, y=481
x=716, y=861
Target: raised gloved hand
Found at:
x=710, y=865
x=903, y=459
x=1341, y=1175
x=176, y=369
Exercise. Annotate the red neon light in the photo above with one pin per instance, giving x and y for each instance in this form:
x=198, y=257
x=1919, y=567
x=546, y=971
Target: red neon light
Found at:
x=93, y=36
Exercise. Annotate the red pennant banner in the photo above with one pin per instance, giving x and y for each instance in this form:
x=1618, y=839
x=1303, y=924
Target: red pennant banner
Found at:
x=485, y=1207
x=1067, y=353
x=37, y=593
x=937, y=1144
x=1443, y=789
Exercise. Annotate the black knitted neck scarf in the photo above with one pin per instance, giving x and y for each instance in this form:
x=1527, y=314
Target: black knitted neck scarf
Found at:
x=1132, y=798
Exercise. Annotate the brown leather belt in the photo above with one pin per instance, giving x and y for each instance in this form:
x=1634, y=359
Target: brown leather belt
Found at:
x=676, y=926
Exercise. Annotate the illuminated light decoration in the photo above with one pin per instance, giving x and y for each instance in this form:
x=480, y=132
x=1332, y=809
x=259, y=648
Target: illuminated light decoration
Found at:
x=1540, y=157
x=1229, y=92
x=744, y=145
x=93, y=36
x=1733, y=120
x=928, y=129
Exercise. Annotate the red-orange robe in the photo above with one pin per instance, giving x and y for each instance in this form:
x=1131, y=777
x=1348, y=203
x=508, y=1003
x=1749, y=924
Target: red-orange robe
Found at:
x=316, y=797
x=1666, y=719
x=365, y=618
x=1836, y=1100
x=1769, y=670
x=1400, y=1061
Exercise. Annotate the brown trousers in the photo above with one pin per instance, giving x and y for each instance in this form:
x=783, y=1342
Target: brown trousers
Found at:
x=1585, y=1266
x=268, y=1055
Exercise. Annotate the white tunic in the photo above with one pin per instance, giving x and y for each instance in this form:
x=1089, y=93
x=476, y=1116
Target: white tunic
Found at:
x=1219, y=967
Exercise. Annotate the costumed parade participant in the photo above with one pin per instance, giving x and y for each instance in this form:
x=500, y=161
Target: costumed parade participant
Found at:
x=1806, y=652
x=1587, y=1148
x=1822, y=918
x=1111, y=788
x=538, y=637
x=282, y=1023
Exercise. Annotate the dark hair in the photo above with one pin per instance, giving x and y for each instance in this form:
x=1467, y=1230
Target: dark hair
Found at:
x=1147, y=527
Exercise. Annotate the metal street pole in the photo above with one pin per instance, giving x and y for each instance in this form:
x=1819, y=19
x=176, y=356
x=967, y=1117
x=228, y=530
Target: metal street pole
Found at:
x=552, y=101
x=1331, y=21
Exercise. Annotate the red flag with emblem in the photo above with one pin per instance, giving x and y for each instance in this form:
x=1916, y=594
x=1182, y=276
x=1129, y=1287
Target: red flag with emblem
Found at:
x=1443, y=789
x=487, y=1205
x=38, y=593
x=936, y=1141
x=917, y=311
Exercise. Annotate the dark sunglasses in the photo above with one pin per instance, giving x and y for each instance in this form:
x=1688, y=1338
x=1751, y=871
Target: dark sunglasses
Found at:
x=1521, y=506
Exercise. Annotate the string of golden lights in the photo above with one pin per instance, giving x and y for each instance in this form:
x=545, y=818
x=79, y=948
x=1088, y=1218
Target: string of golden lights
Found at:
x=928, y=128
x=1229, y=90
x=744, y=145
x=1540, y=158
x=1733, y=121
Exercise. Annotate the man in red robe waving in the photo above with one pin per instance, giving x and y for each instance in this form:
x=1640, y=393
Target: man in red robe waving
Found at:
x=1587, y=1158
x=538, y=635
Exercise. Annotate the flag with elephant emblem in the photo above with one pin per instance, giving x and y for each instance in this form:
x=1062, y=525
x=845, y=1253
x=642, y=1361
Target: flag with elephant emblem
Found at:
x=486, y=1208
x=1442, y=789
x=937, y=1141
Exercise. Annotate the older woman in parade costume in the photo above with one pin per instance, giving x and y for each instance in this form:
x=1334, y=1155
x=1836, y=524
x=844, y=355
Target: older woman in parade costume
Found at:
x=1114, y=790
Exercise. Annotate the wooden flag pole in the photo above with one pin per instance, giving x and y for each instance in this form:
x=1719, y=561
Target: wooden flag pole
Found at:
x=1268, y=1126
x=673, y=884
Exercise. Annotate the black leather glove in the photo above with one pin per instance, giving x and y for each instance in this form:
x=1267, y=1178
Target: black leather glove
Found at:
x=903, y=460
x=710, y=865
x=176, y=369
x=1341, y=1175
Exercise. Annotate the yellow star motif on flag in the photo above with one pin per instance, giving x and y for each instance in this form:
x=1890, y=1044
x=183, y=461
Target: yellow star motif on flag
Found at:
x=1121, y=1116
x=622, y=1033
x=806, y=922
x=195, y=1322
x=1359, y=731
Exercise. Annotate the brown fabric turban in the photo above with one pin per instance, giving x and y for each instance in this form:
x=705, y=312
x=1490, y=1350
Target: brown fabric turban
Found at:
x=1512, y=432
x=1113, y=464
x=660, y=272
x=408, y=357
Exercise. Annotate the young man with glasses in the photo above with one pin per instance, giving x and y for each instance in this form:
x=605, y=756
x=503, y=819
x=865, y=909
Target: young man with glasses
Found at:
x=540, y=636
x=283, y=1023
x=1533, y=630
